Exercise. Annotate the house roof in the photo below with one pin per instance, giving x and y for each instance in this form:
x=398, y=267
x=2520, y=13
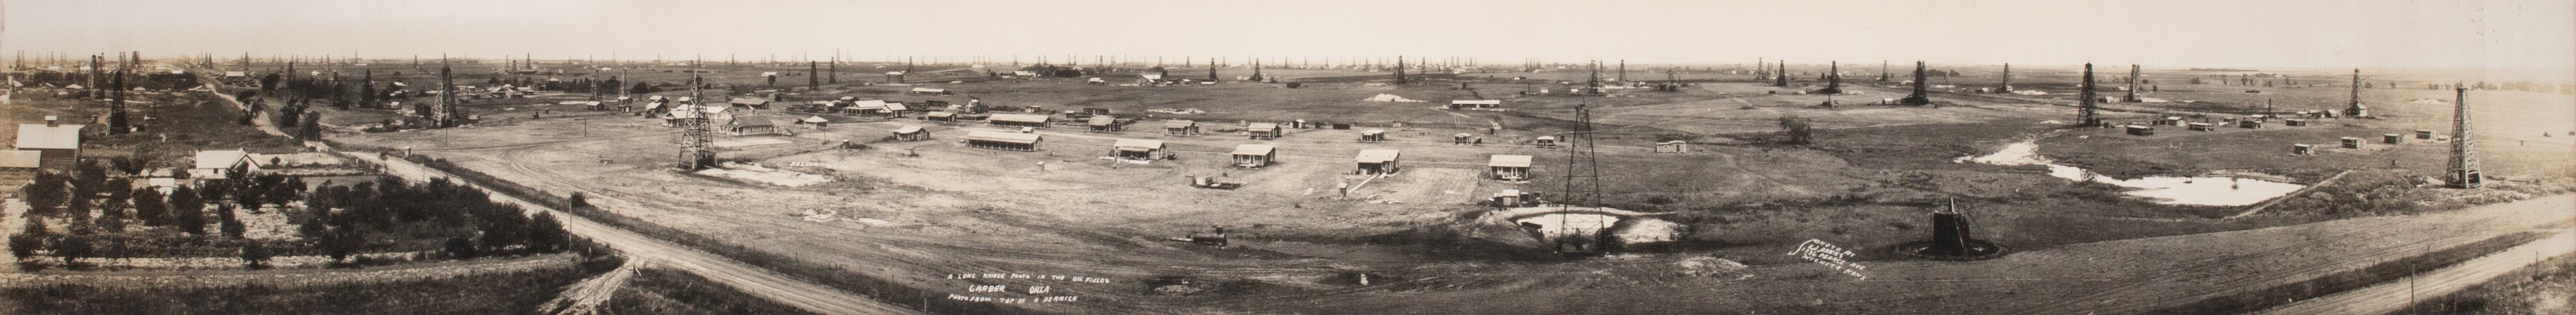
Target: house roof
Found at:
x=929, y=90
x=1476, y=102
x=1020, y=118
x=1549, y=138
x=1372, y=131
x=1377, y=155
x=1463, y=135
x=39, y=136
x=752, y=121
x=816, y=119
x=1506, y=160
x=1674, y=142
x=750, y=101
x=1253, y=149
x=897, y=107
x=868, y=104
x=1262, y=126
x=1508, y=193
x=21, y=158
x=907, y=129
x=222, y=158
x=1103, y=120
x=940, y=114
x=1176, y=123
x=997, y=136
x=1124, y=144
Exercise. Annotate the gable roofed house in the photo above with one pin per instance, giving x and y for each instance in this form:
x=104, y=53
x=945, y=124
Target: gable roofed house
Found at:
x=1252, y=155
x=1178, y=127
x=219, y=164
x=57, y=143
x=1104, y=123
x=1262, y=130
x=1138, y=150
x=1377, y=161
x=911, y=133
x=1462, y=104
x=750, y=125
x=750, y=102
x=1509, y=167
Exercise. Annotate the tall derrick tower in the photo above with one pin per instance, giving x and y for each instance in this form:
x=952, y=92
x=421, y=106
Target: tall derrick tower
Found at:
x=2132, y=97
x=2007, y=87
x=696, y=148
x=2356, y=110
x=2085, y=115
x=1919, y=97
x=1583, y=234
x=2463, y=171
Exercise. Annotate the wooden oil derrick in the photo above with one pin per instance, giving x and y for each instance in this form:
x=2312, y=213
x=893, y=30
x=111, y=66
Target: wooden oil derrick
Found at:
x=2463, y=170
x=443, y=113
x=696, y=148
x=1256, y=70
x=1781, y=78
x=1833, y=79
x=2085, y=115
x=1583, y=233
x=1212, y=71
x=1920, y=96
x=2132, y=96
x=2007, y=87
x=1399, y=69
x=2355, y=109
x=813, y=75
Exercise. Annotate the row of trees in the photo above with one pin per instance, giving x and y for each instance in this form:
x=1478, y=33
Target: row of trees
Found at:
x=338, y=221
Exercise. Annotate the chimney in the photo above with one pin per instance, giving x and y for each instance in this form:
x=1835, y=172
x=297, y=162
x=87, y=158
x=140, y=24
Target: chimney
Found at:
x=51, y=121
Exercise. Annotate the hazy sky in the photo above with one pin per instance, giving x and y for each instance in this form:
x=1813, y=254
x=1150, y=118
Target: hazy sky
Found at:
x=2212, y=33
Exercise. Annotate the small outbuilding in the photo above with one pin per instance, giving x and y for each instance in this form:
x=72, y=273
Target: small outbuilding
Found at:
x=2391, y=138
x=1509, y=167
x=2250, y=123
x=2294, y=122
x=1377, y=161
x=1020, y=120
x=1003, y=140
x=59, y=144
x=1544, y=141
x=750, y=102
x=14, y=160
x=930, y=91
x=2140, y=130
x=2351, y=143
x=1177, y=127
x=1675, y=146
x=1474, y=104
x=750, y=125
x=911, y=133
x=221, y=164
x=940, y=116
x=1263, y=130
x=1104, y=123
x=2202, y=126
x=1252, y=155
x=1373, y=135
x=1462, y=138
x=1139, y=150
x=1508, y=198
x=2302, y=149
x=2423, y=134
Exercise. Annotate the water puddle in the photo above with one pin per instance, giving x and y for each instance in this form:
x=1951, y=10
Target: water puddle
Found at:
x=2195, y=191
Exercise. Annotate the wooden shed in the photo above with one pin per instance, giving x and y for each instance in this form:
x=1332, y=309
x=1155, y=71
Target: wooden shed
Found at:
x=2391, y=138
x=1509, y=167
x=1003, y=140
x=1020, y=120
x=1104, y=123
x=1177, y=127
x=1544, y=141
x=1139, y=150
x=1462, y=138
x=1373, y=135
x=911, y=133
x=2302, y=149
x=2351, y=143
x=2140, y=130
x=1254, y=155
x=940, y=116
x=2201, y=126
x=1262, y=130
x=1474, y=104
x=1675, y=146
x=1377, y=161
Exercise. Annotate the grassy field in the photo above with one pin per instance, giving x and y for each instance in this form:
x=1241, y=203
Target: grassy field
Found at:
x=443, y=288
x=658, y=291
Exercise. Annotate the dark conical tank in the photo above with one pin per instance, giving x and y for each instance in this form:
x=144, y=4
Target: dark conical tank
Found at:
x=1949, y=234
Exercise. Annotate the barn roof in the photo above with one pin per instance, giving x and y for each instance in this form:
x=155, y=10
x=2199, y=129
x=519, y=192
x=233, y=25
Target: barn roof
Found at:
x=750, y=101
x=997, y=136
x=39, y=136
x=1506, y=160
x=940, y=114
x=21, y=158
x=221, y=158
x=1103, y=120
x=1125, y=144
x=1020, y=118
x=1476, y=102
x=1262, y=127
x=1253, y=149
x=907, y=129
x=868, y=105
x=1377, y=155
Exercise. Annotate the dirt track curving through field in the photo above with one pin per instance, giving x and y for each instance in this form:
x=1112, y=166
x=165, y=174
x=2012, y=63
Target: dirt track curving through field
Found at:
x=2395, y=296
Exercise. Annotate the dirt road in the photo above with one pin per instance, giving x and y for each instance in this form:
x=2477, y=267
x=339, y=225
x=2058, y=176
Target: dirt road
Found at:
x=2393, y=296
x=753, y=280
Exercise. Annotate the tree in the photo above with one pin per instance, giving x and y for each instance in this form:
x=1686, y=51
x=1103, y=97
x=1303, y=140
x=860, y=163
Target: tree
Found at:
x=311, y=130
x=232, y=226
x=578, y=201
x=112, y=216
x=1798, y=129
x=150, y=208
x=459, y=248
x=188, y=211
x=545, y=235
x=254, y=256
x=47, y=193
x=72, y=248
x=342, y=243
x=24, y=245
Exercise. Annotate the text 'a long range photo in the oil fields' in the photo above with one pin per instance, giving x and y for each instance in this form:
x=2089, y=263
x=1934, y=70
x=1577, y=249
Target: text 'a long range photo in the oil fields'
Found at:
x=1512, y=157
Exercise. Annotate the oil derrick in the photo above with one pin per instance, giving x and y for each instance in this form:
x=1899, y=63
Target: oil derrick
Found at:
x=1583, y=233
x=835, y=69
x=2132, y=97
x=2084, y=113
x=1399, y=69
x=1833, y=80
x=2463, y=170
x=1212, y=72
x=813, y=77
x=1623, y=70
x=116, y=104
x=1594, y=82
x=443, y=114
x=1781, y=78
x=2007, y=87
x=94, y=92
x=1918, y=98
x=1256, y=70
x=2356, y=110
x=696, y=138
x=1883, y=75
